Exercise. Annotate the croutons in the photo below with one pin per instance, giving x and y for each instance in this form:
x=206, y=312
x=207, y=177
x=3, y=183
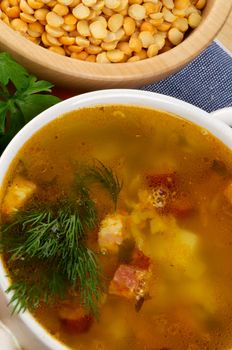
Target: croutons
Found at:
x=112, y=232
x=17, y=195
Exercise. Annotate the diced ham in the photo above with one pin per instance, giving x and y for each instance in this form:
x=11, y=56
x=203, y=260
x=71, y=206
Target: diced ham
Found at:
x=156, y=180
x=75, y=320
x=228, y=193
x=140, y=260
x=112, y=232
x=17, y=195
x=130, y=282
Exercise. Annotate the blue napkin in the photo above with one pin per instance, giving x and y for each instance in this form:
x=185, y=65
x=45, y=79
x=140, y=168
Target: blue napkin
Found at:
x=206, y=82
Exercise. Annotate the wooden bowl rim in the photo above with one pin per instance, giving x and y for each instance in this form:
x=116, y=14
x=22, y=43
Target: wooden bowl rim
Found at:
x=164, y=63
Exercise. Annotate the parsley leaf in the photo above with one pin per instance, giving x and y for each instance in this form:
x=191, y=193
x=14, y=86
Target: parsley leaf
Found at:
x=3, y=111
x=16, y=123
x=35, y=86
x=32, y=105
x=22, y=97
x=12, y=71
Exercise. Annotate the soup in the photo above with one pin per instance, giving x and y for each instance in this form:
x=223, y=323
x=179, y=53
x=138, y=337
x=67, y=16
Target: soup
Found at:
x=116, y=231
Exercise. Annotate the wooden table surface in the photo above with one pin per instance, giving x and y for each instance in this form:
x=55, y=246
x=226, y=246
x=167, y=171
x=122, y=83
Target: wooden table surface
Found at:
x=225, y=36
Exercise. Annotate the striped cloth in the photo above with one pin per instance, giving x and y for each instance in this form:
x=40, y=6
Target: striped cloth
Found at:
x=206, y=82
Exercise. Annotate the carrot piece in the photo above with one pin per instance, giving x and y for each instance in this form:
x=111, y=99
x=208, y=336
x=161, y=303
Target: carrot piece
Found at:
x=75, y=319
x=80, y=325
x=156, y=180
x=181, y=207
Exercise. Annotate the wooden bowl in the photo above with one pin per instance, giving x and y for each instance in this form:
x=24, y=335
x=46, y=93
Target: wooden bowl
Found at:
x=80, y=75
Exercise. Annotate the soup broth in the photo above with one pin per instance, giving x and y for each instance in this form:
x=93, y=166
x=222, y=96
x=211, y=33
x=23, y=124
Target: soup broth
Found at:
x=162, y=236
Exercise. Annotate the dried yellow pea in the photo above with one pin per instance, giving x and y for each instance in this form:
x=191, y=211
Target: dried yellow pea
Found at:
x=81, y=11
x=109, y=46
x=112, y=4
x=58, y=50
x=152, y=50
x=19, y=25
x=137, y=12
x=134, y=59
x=41, y=14
x=91, y=58
x=24, y=7
x=175, y=36
x=56, y=32
x=60, y=9
x=102, y=58
x=115, y=22
x=98, y=30
x=54, y=20
x=135, y=44
x=93, y=50
x=34, y=4
x=129, y=25
x=27, y=18
x=52, y=40
x=83, y=42
x=67, y=40
x=194, y=20
x=115, y=56
x=104, y=30
x=83, y=28
x=80, y=56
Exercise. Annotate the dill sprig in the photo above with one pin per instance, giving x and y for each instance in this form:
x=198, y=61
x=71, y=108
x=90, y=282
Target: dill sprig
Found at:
x=45, y=231
x=106, y=177
x=87, y=207
x=29, y=295
x=39, y=231
x=51, y=241
x=82, y=265
x=54, y=241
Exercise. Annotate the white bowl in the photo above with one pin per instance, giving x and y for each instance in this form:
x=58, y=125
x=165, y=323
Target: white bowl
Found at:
x=29, y=332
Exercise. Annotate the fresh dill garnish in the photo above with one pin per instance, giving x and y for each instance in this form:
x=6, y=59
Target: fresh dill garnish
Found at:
x=29, y=295
x=107, y=178
x=53, y=240
x=87, y=207
x=103, y=175
x=82, y=265
x=39, y=232
x=46, y=248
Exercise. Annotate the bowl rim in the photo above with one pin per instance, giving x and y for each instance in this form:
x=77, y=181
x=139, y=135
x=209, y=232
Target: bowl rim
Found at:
x=159, y=65
x=113, y=96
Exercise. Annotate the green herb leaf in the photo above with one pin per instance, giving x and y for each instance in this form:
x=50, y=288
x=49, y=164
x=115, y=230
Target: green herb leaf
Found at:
x=54, y=238
x=39, y=229
x=41, y=288
x=3, y=112
x=16, y=123
x=106, y=177
x=35, y=86
x=32, y=105
x=12, y=71
x=19, y=106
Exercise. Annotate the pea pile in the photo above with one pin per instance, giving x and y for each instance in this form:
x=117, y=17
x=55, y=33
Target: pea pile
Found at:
x=104, y=31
